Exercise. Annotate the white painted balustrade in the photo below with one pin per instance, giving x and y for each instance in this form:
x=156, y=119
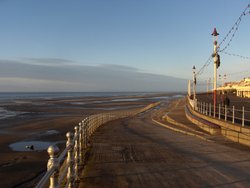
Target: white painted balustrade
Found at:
x=224, y=113
x=63, y=170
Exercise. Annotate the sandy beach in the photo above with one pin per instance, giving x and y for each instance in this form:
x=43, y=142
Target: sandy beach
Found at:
x=42, y=122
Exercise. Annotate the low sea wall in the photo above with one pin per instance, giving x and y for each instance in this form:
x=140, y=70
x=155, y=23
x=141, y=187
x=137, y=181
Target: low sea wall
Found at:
x=207, y=126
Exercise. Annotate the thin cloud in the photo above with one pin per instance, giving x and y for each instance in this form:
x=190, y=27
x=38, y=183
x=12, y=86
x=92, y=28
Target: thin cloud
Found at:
x=14, y=84
x=16, y=75
x=47, y=61
x=119, y=67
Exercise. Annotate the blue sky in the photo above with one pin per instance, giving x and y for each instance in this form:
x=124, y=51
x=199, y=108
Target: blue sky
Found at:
x=152, y=36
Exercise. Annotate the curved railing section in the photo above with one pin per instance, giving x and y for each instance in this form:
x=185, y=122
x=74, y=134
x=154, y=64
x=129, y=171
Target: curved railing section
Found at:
x=63, y=170
x=222, y=112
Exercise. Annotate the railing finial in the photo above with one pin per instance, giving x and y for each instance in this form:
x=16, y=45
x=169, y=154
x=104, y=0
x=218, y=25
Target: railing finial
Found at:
x=53, y=163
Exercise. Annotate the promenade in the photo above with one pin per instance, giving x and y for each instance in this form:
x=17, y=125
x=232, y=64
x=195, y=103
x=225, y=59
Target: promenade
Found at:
x=137, y=152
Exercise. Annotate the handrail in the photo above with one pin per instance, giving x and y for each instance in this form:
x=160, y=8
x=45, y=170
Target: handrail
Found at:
x=76, y=148
x=222, y=112
x=45, y=178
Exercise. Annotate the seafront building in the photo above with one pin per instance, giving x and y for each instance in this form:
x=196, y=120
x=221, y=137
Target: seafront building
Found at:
x=241, y=88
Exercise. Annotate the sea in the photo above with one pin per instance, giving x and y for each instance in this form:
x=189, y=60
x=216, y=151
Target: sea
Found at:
x=54, y=95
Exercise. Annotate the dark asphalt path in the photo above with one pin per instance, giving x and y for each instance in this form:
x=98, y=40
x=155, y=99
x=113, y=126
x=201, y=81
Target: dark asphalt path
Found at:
x=138, y=153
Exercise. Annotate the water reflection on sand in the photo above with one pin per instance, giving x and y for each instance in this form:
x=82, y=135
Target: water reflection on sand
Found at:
x=7, y=114
x=32, y=145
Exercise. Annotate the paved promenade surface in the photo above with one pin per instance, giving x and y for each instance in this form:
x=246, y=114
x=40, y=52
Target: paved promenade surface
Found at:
x=139, y=153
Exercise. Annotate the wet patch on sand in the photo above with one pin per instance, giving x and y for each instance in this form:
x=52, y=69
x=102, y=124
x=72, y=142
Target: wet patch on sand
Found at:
x=50, y=132
x=8, y=114
x=32, y=145
x=178, y=96
x=161, y=97
x=126, y=100
x=78, y=103
x=46, y=133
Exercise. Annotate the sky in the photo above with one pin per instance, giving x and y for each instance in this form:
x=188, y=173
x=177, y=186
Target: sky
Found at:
x=116, y=45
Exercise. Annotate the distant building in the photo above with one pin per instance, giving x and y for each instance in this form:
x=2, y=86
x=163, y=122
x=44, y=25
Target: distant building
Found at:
x=241, y=88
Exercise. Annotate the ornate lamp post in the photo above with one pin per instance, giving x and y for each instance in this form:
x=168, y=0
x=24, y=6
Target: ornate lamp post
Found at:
x=216, y=59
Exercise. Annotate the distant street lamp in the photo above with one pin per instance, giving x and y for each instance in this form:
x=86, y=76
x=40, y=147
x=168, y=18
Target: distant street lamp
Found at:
x=222, y=79
x=225, y=77
x=216, y=59
x=223, y=83
x=194, y=84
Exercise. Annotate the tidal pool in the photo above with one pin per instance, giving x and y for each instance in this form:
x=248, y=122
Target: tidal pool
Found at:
x=27, y=145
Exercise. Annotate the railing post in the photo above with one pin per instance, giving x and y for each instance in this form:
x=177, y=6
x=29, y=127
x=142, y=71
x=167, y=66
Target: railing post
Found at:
x=225, y=112
x=87, y=131
x=201, y=107
x=219, y=111
x=70, y=160
x=76, y=153
x=96, y=123
x=233, y=116
x=84, y=134
x=243, y=116
x=91, y=125
x=80, y=144
x=53, y=163
x=83, y=137
x=204, y=108
x=209, y=109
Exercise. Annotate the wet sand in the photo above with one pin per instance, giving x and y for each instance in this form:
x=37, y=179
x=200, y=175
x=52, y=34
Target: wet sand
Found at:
x=48, y=120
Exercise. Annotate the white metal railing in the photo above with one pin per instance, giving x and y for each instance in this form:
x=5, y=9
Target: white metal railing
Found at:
x=63, y=170
x=224, y=113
